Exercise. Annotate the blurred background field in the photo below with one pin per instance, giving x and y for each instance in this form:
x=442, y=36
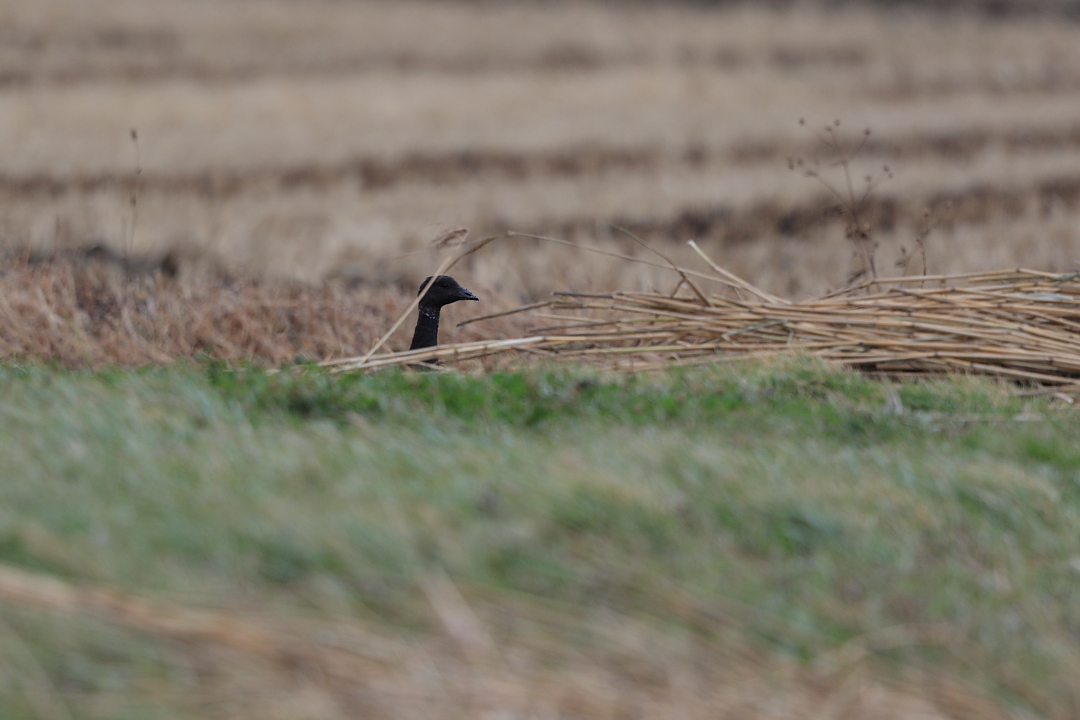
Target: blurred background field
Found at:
x=778, y=540
x=316, y=139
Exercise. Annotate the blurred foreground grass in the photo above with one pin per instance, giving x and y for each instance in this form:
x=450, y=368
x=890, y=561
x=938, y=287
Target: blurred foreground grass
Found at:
x=810, y=507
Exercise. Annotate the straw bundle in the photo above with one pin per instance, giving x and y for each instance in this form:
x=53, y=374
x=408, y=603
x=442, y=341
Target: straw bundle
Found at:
x=1023, y=325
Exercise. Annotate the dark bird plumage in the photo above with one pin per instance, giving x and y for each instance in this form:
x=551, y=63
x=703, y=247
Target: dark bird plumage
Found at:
x=444, y=290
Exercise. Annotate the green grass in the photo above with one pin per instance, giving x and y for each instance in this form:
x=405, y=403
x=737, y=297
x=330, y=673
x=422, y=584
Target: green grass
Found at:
x=823, y=505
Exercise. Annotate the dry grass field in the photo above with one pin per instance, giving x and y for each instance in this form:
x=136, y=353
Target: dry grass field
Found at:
x=316, y=139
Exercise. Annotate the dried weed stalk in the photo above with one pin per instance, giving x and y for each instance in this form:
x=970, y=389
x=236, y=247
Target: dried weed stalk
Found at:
x=931, y=219
x=852, y=201
x=130, y=238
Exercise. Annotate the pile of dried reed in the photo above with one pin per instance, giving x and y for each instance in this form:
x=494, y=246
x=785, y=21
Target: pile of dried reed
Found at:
x=1023, y=325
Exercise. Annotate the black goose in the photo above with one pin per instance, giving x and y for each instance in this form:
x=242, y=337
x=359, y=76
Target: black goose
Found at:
x=444, y=290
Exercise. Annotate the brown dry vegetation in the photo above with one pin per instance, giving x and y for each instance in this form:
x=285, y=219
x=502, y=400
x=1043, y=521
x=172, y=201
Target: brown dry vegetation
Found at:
x=89, y=309
x=318, y=139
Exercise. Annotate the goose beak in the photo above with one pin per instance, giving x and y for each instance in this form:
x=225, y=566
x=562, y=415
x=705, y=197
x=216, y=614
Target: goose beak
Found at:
x=466, y=295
